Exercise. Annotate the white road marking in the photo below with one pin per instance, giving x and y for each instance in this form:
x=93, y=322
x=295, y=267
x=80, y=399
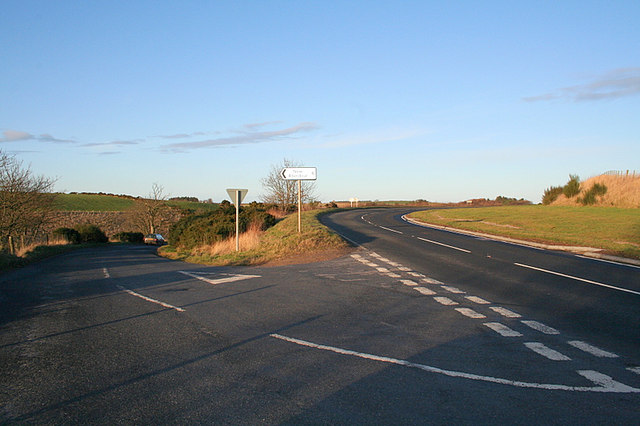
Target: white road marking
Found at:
x=444, y=245
x=105, y=271
x=478, y=300
x=546, y=352
x=431, y=281
x=505, y=312
x=371, y=264
x=603, y=383
x=393, y=275
x=470, y=313
x=392, y=230
x=425, y=291
x=356, y=256
x=592, y=349
x=502, y=329
x=608, y=261
x=538, y=326
x=394, y=264
x=578, y=279
x=376, y=255
x=445, y=301
x=634, y=369
x=381, y=269
x=416, y=274
x=148, y=299
x=404, y=268
x=409, y=283
x=383, y=259
x=453, y=290
x=230, y=278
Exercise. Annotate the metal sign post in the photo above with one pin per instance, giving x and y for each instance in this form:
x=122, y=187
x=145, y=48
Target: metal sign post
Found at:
x=299, y=174
x=237, y=195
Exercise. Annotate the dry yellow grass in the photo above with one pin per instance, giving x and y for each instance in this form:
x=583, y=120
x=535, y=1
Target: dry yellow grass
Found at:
x=248, y=240
x=622, y=191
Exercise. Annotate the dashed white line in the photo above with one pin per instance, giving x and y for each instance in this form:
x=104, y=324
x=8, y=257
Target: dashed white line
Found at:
x=392, y=230
x=470, y=313
x=148, y=299
x=444, y=245
x=538, y=326
x=578, y=279
x=478, y=300
x=634, y=369
x=502, y=329
x=592, y=349
x=445, y=301
x=546, y=352
x=453, y=290
x=603, y=383
x=425, y=291
x=431, y=281
x=409, y=283
x=404, y=268
x=505, y=312
x=393, y=275
x=105, y=271
x=416, y=274
x=381, y=269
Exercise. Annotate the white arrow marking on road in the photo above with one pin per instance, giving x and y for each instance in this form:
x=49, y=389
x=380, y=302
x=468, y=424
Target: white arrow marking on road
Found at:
x=605, y=384
x=228, y=279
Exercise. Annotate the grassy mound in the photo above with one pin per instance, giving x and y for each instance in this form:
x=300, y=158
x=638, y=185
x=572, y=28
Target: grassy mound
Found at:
x=279, y=244
x=622, y=190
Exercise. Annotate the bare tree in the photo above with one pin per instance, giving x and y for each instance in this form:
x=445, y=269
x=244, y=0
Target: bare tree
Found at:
x=282, y=192
x=147, y=213
x=25, y=201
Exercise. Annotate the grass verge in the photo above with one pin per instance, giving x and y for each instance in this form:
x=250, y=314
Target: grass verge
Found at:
x=280, y=244
x=615, y=230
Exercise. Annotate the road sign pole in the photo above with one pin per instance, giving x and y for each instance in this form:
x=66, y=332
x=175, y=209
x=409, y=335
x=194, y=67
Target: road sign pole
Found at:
x=237, y=220
x=299, y=206
x=237, y=195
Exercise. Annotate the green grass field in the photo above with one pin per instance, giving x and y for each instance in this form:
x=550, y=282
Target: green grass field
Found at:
x=101, y=203
x=91, y=202
x=615, y=230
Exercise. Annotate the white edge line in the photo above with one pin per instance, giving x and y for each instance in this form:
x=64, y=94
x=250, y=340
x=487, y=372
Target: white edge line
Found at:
x=606, y=384
x=444, y=245
x=578, y=278
x=148, y=299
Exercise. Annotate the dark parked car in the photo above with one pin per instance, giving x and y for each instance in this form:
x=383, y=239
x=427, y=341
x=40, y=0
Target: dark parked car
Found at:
x=154, y=239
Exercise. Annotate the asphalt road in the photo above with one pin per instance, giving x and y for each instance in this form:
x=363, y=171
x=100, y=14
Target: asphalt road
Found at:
x=415, y=326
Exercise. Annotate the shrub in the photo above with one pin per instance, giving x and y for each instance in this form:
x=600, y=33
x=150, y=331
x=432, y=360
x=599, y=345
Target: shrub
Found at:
x=69, y=235
x=91, y=234
x=572, y=188
x=210, y=227
x=596, y=190
x=129, y=237
x=551, y=194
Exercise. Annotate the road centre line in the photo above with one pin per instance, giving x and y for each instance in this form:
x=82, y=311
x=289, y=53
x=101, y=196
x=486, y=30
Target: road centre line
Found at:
x=577, y=278
x=444, y=245
x=149, y=299
x=425, y=291
x=389, y=229
x=478, y=300
x=604, y=384
x=454, y=290
x=445, y=301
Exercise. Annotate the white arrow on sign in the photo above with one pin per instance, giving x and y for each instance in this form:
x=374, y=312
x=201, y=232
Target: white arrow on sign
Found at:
x=299, y=173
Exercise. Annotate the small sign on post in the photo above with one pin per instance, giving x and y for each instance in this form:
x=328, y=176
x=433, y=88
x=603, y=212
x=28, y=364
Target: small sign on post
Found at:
x=237, y=195
x=299, y=174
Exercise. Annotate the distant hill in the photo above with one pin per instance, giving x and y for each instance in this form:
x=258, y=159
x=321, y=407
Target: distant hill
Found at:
x=623, y=190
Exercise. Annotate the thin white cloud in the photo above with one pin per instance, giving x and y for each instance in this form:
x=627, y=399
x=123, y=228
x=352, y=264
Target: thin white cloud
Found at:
x=244, y=138
x=19, y=135
x=182, y=135
x=113, y=143
x=615, y=84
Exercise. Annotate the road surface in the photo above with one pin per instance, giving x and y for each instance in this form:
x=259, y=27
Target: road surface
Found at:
x=415, y=326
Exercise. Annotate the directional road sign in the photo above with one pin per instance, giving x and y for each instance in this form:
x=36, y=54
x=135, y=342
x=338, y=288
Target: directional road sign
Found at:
x=299, y=173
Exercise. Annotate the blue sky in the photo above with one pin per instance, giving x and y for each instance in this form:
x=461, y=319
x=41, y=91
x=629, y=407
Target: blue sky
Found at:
x=442, y=101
